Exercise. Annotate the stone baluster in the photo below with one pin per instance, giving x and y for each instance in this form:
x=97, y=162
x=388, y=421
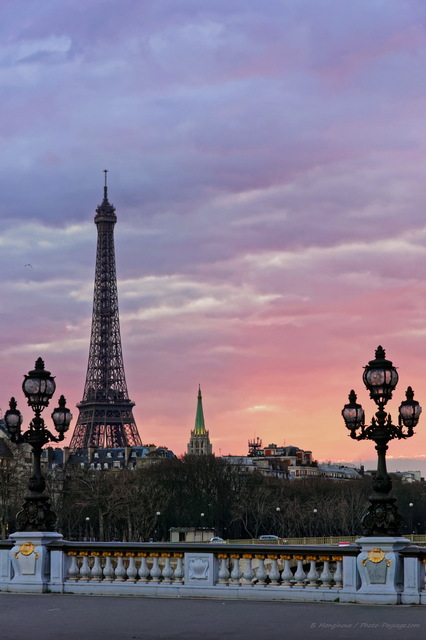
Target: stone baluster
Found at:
x=85, y=573
x=178, y=576
x=300, y=575
x=109, y=574
x=235, y=573
x=287, y=574
x=155, y=569
x=120, y=571
x=132, y=572
x=167, y=572
x=97, y=574
x=313, y=573
x=248, y=574
x=223, y=568
x=143, y=569
x=338, y=574
x=274, y=574
x=261, y=574
x=325, y=575
x=73, y=571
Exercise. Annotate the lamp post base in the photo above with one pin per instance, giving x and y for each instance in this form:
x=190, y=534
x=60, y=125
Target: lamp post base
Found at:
x=382, y=517
x=36, y=514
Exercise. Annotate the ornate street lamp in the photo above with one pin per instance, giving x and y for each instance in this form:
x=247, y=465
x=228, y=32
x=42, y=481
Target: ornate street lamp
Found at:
x=380, y=377
x=38, y=387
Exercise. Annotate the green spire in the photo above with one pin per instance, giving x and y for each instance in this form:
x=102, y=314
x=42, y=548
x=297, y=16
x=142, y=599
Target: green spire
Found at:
x=200, y=428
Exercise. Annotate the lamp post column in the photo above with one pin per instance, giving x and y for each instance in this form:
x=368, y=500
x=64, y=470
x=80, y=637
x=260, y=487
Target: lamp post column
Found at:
x=31, y=558
x=379, y=563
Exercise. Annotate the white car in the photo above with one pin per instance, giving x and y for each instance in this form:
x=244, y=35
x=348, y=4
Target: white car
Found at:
x=217, y=540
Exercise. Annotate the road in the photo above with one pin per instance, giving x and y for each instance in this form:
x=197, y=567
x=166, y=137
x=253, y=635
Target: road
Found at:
x=71, y=617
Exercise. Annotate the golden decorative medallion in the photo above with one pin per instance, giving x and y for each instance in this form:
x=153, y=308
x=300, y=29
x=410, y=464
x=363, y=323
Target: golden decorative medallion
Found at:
x=26, y=549
x=376, y=556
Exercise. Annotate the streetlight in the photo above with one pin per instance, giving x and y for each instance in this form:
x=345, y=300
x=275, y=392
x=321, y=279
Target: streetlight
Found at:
x=380, y=377
x=87, y=536
x=202, y=525
x=38, y=387
x=278, y=520
x=315, y=511
x=411, y=505
x=157, y=526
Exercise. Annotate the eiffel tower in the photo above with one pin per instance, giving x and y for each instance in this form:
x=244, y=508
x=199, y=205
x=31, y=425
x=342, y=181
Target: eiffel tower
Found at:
x=105, y=413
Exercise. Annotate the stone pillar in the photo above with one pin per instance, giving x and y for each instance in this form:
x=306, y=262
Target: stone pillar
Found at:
x=31, y=561
x=201, y=569
x=5, y=568
x=381, y=570
x=412, y=580
x=351, y=582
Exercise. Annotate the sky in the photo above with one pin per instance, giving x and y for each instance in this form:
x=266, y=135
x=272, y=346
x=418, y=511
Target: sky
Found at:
x=267, y=162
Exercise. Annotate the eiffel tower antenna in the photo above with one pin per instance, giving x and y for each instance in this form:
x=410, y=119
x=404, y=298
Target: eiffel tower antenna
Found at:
x=105, y=413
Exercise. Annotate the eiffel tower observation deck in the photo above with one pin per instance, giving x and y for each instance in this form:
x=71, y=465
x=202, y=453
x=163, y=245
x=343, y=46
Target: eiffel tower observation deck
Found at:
x=105, y=412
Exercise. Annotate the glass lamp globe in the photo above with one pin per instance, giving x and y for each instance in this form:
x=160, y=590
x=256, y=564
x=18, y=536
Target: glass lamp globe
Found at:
x=38, y=386
x=13, y=419
x=380, y=377
x=61, y=416
x=353, y=413
x=409, y=410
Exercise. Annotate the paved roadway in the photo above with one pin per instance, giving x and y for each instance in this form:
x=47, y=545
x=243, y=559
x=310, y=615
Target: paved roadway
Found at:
x=70, y=617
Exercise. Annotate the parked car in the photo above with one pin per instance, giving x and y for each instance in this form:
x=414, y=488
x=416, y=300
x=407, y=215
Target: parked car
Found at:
x=217, y=540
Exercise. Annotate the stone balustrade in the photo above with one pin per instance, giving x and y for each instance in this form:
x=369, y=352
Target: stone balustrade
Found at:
x=153, y=567
x=352, y=573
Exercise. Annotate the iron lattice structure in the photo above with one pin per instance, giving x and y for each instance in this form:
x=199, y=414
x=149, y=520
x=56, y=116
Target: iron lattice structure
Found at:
x=105, y=413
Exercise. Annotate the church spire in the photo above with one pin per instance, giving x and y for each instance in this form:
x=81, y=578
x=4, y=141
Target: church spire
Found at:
x=200, y=427
x=199, y=443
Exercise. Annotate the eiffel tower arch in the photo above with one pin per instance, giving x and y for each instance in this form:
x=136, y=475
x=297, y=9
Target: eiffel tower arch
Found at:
x=105, y=412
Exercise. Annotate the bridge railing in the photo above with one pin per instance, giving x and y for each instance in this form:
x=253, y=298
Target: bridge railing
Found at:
x=360, y=572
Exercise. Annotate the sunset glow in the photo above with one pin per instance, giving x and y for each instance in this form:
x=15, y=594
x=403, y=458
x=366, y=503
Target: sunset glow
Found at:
x=267, y=162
